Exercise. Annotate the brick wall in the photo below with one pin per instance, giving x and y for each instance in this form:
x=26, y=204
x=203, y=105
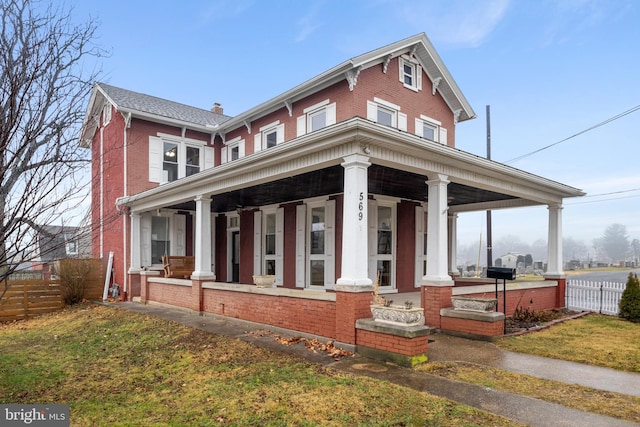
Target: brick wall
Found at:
x=533, y=299
x=305, y=315
x=392, y=343
x=473, y=327
x=165, y=293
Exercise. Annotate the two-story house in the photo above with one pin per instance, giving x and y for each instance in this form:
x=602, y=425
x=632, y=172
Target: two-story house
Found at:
x=348, y=177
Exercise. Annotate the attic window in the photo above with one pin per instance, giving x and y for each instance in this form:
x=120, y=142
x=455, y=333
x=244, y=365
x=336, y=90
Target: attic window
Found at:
x=410, y=73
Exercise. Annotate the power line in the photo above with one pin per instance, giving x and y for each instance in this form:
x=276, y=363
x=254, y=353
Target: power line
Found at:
x=609, y=120
x=603, y=200
x=612, y=192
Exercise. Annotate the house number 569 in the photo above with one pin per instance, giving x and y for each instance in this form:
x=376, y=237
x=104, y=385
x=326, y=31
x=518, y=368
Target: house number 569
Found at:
x=361, y=207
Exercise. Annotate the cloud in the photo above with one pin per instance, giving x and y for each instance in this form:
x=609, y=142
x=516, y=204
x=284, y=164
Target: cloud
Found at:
x=455, y=23
x=569, y=20
x=307, y=25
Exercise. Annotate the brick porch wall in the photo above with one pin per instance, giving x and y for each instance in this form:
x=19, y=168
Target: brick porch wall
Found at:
x=166, y=293
x=311, y=316
x=392, y=343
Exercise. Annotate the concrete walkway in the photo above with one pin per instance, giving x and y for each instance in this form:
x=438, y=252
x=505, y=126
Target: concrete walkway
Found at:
x=523, y=409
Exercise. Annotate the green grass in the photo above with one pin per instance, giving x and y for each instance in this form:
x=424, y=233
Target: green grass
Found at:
x=115, y=367
x=594, y=339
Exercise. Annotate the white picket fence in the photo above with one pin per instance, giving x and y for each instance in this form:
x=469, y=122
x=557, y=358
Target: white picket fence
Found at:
x=601, y=297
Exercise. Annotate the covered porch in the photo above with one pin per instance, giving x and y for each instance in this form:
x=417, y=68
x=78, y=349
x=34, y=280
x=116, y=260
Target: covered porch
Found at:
x=325, y=213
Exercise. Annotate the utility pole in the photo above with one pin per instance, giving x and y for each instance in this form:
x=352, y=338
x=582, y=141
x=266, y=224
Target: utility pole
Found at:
x=489, y=248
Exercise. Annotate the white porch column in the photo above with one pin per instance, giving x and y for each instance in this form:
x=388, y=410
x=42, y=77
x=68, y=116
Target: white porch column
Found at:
x=554, y=266
x=355, y=222
x=437, y=236
x=135, y=261
x=202, y=240
x=453, y=244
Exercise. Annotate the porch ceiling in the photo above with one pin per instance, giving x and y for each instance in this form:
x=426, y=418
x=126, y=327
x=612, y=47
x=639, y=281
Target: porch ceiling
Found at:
x=381, y=180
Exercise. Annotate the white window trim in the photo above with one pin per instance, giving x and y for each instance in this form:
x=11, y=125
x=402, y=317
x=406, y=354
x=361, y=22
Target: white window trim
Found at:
x=106, y=114
x=329, y=241
x=260, y=258
x=317, y=106
x=398, y=120
x=156, y=155
x=374, y=257
x=440, y=133
x=421, y=258
x=260, y=138
x=304, y=121
x=230, y=145
x=230, y=230
x=417, y=73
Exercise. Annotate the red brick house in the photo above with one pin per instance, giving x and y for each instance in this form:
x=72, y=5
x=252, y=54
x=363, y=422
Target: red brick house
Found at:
x=351, y=174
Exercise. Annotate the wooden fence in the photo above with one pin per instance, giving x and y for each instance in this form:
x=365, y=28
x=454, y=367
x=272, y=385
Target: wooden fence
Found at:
x=601, y=297
x=27, y=298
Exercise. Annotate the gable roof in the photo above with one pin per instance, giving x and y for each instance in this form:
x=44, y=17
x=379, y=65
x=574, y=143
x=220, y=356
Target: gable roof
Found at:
x=419, y=45
x=148, y=107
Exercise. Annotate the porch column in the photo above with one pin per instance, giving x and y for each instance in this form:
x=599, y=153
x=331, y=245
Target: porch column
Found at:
x=353, y=288
x=202, y=240
x=554, y=267
x=133, y=284
x=437, y=285
x=453, y=244
x=355, y=222
x=437, y=253
x=135, y=263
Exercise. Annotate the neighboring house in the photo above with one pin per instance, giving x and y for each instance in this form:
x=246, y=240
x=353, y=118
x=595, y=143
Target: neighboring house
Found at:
x=57, y=242
x=347, y=176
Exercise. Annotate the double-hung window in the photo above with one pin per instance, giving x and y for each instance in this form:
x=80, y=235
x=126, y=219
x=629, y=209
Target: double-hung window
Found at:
x=269, y=136
x=172, y=157
x=316, y=117
x=431, y=129
x=269, y=242
x=410, y=73
x=386, y=113
x=233, y=150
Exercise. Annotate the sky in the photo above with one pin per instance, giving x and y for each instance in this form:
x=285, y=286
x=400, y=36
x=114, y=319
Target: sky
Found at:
x=548, y=70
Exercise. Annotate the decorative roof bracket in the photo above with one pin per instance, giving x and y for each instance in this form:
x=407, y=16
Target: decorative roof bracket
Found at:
x=289, y=107
x=352, y=77
x=184, y=131
x=413, y=50
x=456, y=115
x=385, y=65
x=247, y=125
x=436, y=83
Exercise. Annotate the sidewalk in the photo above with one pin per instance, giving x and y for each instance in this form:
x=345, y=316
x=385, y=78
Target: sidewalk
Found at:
x=526, y=410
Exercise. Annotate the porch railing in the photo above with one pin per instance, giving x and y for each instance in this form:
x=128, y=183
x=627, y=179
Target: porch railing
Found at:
x=601, y=297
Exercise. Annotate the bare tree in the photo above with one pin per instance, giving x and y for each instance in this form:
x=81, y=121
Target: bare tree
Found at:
x=44, y=82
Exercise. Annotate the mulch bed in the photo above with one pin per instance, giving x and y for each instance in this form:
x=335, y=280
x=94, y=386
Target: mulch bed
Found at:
x=518, y=326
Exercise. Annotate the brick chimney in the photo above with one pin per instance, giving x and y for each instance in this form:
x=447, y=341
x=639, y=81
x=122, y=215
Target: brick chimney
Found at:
x=217, y=108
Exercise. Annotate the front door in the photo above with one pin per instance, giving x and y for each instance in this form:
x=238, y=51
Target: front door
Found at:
x=235, y=257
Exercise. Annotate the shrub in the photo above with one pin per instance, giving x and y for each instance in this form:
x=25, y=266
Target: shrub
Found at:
x=630, y=301
x=73, y=275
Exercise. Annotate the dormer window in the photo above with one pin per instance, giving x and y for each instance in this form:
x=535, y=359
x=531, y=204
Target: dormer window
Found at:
x=410, y=73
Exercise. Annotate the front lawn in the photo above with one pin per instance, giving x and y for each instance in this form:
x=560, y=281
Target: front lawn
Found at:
x=115, y=367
